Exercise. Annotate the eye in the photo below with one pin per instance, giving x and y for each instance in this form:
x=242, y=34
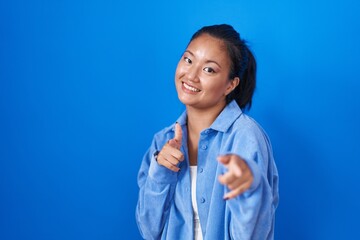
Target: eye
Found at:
x=188, y=60
x=209, y=70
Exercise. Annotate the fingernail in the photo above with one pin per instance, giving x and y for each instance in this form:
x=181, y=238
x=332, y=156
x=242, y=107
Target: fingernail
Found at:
x=226, y=198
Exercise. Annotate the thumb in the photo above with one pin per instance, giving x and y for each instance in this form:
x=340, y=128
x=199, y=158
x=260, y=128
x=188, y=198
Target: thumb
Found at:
x=174, y=144
x=224, y=159
x=178, y=134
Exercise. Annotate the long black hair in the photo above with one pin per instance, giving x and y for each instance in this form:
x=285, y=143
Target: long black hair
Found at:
x=243, y=63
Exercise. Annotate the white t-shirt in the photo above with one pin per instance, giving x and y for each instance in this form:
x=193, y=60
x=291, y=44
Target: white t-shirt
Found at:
x=197, y=226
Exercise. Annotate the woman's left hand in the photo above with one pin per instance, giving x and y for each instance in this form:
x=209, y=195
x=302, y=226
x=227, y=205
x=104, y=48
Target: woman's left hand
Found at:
x=238, y=178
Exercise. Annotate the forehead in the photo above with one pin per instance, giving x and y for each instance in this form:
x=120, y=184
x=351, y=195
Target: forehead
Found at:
x=209, y=47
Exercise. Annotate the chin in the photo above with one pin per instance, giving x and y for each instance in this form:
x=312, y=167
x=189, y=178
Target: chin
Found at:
x=184, y=100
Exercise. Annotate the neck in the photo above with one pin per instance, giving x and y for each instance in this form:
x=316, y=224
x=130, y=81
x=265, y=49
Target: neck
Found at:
x=200, y=119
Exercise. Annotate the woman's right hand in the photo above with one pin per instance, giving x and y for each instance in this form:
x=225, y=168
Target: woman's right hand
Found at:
x=170, y=155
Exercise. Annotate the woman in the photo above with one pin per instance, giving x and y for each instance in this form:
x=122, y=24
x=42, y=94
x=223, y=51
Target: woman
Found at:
x=211, y=175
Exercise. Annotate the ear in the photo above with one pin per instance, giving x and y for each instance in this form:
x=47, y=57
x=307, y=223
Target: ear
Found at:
x=232, y=85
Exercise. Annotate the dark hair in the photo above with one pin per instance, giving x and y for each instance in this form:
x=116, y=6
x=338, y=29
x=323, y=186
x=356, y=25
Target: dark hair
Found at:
x=243, y=64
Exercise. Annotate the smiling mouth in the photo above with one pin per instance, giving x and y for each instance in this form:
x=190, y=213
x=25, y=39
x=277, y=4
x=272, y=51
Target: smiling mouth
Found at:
x=190, y=88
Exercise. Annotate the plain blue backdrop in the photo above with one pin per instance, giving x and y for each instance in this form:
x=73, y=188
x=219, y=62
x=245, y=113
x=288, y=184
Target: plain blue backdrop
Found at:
x=84, y=85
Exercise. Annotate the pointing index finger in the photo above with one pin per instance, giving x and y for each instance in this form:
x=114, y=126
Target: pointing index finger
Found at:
x=178, y=134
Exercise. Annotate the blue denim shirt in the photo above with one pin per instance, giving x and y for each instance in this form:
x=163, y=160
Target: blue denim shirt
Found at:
x=164, y=209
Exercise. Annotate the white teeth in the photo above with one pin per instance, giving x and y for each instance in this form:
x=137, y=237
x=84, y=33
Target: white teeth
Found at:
x=191, y=88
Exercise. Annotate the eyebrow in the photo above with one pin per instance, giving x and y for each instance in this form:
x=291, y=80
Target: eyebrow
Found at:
x=207, y=61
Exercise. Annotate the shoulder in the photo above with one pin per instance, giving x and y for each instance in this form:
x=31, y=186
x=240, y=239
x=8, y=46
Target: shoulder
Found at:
x=248, y=125
x=246, y=131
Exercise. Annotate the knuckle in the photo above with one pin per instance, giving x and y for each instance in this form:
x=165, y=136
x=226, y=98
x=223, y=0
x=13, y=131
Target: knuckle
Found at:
x=160, y=160
x=173, y=162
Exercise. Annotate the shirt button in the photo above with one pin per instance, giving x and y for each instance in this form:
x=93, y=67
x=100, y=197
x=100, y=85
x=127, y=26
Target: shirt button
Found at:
x=207, y=131
x=202, y=200
x=201, y=170
x=204, y=147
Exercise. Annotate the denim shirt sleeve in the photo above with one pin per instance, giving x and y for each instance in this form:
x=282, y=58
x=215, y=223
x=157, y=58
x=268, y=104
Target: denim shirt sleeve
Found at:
x=252, y=212
x=156, y=189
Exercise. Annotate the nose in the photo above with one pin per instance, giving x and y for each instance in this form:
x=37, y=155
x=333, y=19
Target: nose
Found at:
x=192, y=74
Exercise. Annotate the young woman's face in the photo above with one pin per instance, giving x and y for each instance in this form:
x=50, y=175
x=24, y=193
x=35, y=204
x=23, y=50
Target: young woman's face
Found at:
x=202, y=74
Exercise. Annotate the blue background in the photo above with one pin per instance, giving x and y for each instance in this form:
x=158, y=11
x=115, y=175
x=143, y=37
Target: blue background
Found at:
x=84, y=85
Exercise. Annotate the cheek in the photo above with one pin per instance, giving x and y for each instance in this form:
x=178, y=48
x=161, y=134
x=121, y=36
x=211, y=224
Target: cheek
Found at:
x=180, y=70
x=216, y=87
x=178, y=74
